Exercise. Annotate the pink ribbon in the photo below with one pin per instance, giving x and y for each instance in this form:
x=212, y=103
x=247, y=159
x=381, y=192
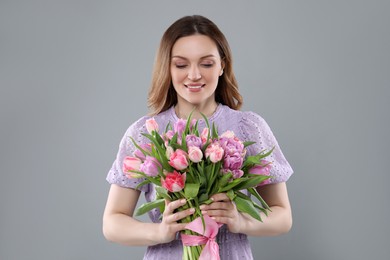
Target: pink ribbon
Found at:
x=211, y=249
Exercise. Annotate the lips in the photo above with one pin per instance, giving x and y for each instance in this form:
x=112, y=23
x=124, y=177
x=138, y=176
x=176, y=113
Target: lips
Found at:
x=194, y=86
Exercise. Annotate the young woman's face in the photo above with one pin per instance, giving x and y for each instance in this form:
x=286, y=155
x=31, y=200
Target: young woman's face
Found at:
x=195, y=68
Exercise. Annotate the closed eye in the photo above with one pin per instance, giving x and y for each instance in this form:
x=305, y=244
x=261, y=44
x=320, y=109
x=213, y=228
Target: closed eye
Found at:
x=179, y=66
x=207, y=65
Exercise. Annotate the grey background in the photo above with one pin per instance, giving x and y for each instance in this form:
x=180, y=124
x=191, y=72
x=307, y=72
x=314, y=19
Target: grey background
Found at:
x=74, y=75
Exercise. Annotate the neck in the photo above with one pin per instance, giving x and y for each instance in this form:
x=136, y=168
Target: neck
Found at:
x=197, y=111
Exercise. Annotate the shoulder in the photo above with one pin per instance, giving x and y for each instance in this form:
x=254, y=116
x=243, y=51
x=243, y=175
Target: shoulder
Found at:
x=242, y=115
x=245, y=119
x=253, y=126
x=253, y=120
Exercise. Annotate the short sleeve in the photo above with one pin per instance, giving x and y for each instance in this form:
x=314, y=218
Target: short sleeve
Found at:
x=127, y=148
x=255, y=128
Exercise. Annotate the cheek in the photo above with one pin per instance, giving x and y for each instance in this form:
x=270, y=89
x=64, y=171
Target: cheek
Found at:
x=178, y=74
x=212, y=75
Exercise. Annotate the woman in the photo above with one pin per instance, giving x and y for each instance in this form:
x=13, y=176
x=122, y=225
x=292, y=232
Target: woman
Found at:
x=193, y=69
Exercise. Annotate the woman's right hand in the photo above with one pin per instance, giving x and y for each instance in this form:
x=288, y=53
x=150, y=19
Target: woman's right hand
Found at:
x=169, y=225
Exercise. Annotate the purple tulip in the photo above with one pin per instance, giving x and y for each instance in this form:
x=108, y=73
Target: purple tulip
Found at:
x=150, y=166
x=193, y=140
x=233, y=162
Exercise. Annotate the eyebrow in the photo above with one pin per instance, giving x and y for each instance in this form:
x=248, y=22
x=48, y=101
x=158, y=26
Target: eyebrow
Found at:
x=203, y=57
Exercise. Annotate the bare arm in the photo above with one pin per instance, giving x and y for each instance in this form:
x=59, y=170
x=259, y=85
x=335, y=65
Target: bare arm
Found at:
x=277, y=222
x=119, y=225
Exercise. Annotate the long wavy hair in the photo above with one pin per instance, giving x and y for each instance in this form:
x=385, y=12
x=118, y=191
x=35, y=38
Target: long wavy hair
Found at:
x=162, y=95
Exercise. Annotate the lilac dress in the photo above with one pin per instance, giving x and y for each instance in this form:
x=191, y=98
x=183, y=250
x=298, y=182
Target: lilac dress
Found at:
x=247, y=126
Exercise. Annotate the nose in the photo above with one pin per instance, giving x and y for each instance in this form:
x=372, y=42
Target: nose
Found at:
x=194, y=73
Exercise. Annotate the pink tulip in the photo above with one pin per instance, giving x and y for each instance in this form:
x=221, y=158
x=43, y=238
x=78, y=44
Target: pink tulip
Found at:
x=204, y=135
x=195, y=154
x=150, y=166
x=228, y=134
x=237, y=174
x=262, y=169
x=174, y=181
x=193, y=123
x=169, y=151
x=178, y=159
x=215, y=152
x=151, y=125
x=131, y=164
x=179, y=127
x=168, y=135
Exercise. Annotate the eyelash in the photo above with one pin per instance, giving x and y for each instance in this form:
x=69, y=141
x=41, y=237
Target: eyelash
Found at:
x=204, y=65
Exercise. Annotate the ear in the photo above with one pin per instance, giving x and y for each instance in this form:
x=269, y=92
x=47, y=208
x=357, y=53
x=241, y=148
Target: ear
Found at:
x=222, y=64
x=222, y=67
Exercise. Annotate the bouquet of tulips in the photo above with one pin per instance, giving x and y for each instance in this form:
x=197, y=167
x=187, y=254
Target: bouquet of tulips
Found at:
x=185, y=163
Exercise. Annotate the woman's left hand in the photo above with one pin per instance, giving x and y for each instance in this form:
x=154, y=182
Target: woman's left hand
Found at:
x=224, y=211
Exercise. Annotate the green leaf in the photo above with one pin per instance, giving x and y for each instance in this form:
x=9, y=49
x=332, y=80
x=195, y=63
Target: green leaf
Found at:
x=173, y=140
x=161, y=152
x=146, y=207
x=251, y=182
x=231, y=195
x=203, y=198
x=191, y=190
x=248, y=143
x=212, y=175
x=139, y=147
x=184, y=143
x=254, y=192
x=247, y=206
x=163, y=193
x=214, y=132
x=252, y=160
x=223, y=181
x=242, y=195
x=231, y=185
x=142, y=183
x=187, y=128
x=159, y=139
x=265, y=211
x=195, y=129
x=168, y=127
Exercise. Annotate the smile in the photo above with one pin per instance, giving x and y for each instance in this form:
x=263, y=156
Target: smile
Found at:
x=193, y=86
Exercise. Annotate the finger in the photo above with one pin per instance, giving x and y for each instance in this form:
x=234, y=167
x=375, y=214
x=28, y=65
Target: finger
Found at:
x=218, y=213
x=179, y=226
x=218, y=205
x=179, y=215
x=220, y=197
x=223, y=220
x=170, y=206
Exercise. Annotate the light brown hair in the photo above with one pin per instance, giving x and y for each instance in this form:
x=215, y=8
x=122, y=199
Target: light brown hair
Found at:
x=162, y=95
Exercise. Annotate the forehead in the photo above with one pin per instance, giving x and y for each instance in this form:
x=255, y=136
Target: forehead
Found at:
x=195, y=46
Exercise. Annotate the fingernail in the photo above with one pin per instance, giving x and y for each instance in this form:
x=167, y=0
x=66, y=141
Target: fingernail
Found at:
x=183, y=201
x=192, y=210
x=204, y=212
x=202, y=207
